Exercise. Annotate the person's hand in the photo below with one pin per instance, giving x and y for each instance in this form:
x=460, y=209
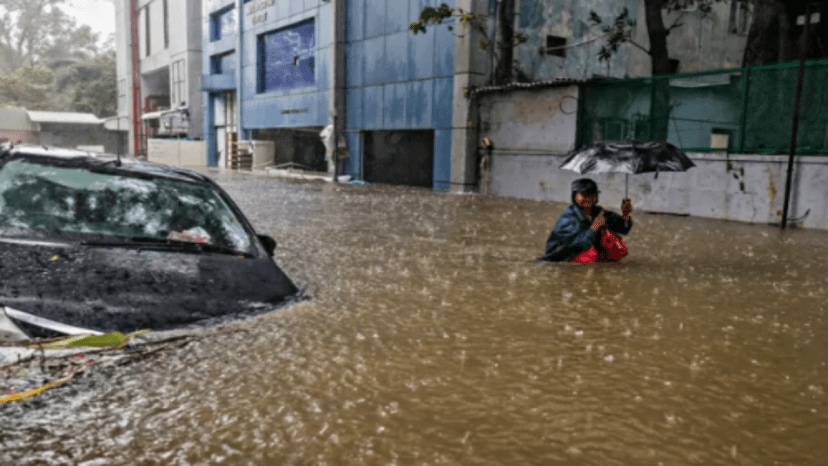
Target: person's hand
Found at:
x=626, y=208
x=598, y=222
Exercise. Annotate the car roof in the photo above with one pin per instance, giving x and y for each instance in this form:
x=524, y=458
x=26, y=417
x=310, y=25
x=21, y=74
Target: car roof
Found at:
x=91, y=159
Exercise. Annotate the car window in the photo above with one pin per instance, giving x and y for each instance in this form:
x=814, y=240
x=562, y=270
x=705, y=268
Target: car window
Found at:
x=59, y=200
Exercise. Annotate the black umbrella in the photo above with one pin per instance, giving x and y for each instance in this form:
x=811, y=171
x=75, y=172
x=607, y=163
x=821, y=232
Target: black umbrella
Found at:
x=628, y=157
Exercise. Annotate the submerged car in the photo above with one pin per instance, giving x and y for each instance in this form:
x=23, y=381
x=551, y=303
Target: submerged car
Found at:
x=98, y=243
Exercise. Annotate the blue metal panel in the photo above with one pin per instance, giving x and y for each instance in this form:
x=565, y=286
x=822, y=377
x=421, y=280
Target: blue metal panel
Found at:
x=375, y=61
x=282, y=10
x=296, y=6
x=356, y=20
x=209, y=129
x=396, y=57
x=421, y=55
x=418, y=104
x=323, y=76
x=249, y=82
x=355, y=64
x=442, y=160
x=398, y=19
x=288, y=111
x=394, y=106
x=443, y=52
x=218, y=82
x=354, y=118
x=375, y=17
x=443, y=99
x=322, y=108
x=373, y=105
x=323, y=26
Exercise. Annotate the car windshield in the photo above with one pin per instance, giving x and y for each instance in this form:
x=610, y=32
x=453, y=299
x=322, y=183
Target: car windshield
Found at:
x=48, y=200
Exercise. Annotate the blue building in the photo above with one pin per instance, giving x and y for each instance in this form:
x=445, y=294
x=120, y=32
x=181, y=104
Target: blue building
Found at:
x=281, y=70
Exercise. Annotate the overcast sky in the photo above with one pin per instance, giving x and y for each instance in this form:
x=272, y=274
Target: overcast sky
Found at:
x=97, y=14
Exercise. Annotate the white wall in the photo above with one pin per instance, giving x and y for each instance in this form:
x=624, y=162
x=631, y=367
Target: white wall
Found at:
x=177, y=152
x=533, y=129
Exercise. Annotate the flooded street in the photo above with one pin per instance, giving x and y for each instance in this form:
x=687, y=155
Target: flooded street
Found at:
x=431, y=336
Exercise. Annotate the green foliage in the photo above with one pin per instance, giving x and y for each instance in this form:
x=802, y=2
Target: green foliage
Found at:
x=433, y=16
x=48, y=62
x=28, y=87
x=619, y=30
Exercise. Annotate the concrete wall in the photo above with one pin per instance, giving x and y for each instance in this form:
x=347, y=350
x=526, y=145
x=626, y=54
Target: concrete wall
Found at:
x=704, y=41
x=569, y=19
x=177, y=152
x=533, y=129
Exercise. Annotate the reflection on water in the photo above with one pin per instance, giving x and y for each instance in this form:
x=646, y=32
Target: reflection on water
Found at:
x=432, y=337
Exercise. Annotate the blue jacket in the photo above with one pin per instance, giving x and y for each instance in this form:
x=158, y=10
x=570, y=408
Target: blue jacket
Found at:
x=571, y=234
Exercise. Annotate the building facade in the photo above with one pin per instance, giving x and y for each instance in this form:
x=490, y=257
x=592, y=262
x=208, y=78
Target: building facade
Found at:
x=282, y=71
x=159, y=69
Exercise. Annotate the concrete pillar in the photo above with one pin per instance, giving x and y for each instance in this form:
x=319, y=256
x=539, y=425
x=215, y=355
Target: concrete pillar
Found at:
x=336, y=70
x=240, y=55
x=471, y=67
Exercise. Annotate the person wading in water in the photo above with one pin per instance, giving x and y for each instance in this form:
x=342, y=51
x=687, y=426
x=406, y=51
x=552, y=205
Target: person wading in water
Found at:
x=585, y=232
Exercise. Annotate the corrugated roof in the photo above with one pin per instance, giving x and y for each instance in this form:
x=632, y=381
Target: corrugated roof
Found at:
x=531, y=85
x=64, y=117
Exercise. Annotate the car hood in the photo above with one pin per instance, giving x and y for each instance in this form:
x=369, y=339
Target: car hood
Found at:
x=125, y=289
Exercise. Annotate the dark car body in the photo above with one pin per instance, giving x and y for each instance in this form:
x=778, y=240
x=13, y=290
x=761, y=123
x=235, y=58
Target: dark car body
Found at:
x=88, y=241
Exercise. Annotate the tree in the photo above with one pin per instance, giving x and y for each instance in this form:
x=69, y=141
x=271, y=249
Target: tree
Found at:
x=775, y=37
x=32, y=31
x=48, y=62
x=619, y=31
x=28, y=87
x=93, y=86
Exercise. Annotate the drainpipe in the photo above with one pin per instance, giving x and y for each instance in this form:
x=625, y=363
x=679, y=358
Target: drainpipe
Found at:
x=136, y=77
x=803, y=49
x=241, y=134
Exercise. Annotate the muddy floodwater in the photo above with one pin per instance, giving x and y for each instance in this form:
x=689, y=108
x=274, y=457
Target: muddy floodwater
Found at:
x=431, y=337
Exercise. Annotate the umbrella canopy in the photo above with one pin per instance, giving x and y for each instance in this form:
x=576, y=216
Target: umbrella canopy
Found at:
x=627, y=157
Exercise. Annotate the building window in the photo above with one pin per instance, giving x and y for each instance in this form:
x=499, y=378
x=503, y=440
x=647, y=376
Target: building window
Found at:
x=222, y=24
x=223, y=64
x=286, y=58
x=147, y=35
x=741, y=12
x=555, y=46
x=166, y=25
x=177, y=80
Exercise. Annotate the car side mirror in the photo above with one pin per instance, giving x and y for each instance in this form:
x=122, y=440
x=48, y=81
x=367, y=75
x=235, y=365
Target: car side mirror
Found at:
x=268, y=242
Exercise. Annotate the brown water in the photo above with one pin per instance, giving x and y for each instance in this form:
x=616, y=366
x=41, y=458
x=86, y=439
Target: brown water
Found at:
x=431, y=337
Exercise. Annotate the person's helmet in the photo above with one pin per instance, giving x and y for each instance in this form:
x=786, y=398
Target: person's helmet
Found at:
x=584, y=186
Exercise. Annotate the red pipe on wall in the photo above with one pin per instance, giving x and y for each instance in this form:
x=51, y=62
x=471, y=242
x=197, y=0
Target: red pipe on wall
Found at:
x=136, y=78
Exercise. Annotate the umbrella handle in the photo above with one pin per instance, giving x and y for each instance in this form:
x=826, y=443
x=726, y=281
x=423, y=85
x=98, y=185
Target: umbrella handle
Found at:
x=626, y=185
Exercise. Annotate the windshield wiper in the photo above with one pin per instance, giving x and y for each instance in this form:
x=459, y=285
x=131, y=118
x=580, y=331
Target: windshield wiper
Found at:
x=144, y=242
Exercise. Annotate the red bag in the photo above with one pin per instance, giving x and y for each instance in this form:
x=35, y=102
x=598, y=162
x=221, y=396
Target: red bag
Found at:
x=613, y=249
x=590, y=255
